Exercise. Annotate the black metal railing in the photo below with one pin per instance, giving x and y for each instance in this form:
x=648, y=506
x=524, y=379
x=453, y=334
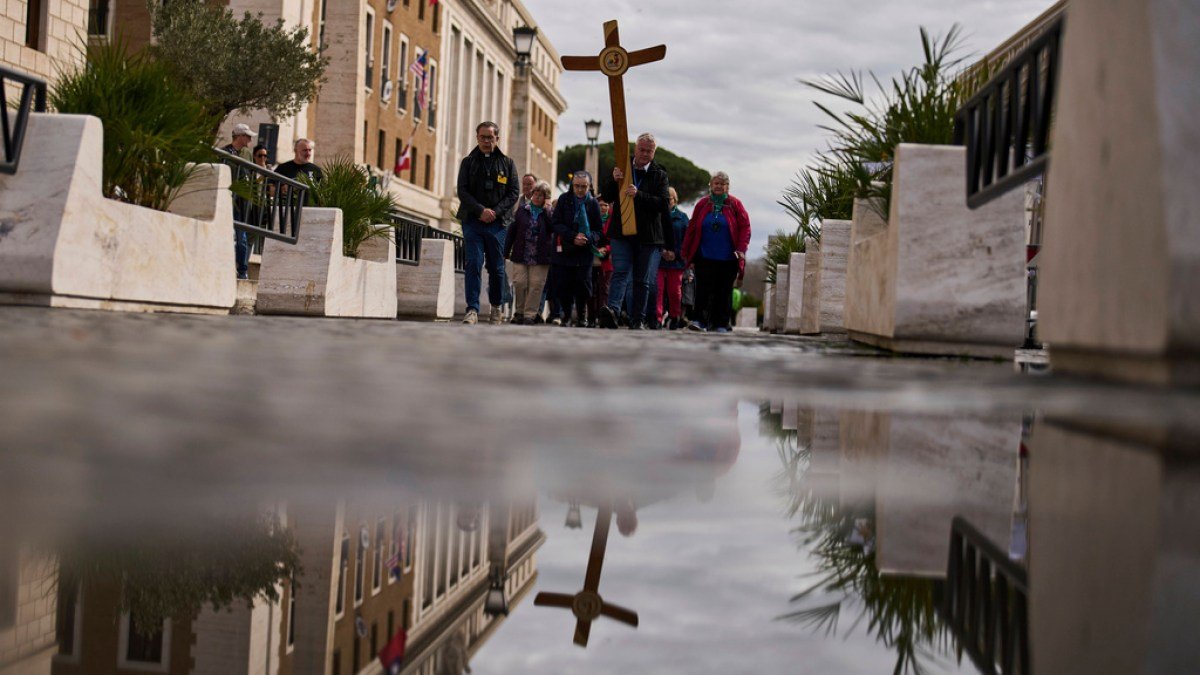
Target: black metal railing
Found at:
x=460, y=254
x=408, y=242
x=14, y=123
x=1006, y=125
x=265, y=204
x=984, y=602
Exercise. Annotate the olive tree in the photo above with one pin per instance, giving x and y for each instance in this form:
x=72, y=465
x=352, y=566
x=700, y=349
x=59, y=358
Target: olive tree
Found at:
x=237, y=64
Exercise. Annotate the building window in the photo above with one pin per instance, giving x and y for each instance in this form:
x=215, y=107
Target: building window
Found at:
x=420, y=10
x=381, y=526
x=412, y=166
x=402, y=94
x=339, y=607
x=370, y=48
x=399, y=158
x=428, y=170
x=35, y=24
x=68, y=617
x=98, y=17
x=434, y=17
x=337, y=662
x=366, y=143
x=410, y=538
x=382, y=156
x=374, y=638
x=291, y=631
x=406, y=612
x=143, y=648
x=391, y=627
x=356, y=661
x=385, y=68
x=321, y=35
x=431, y=117
x=360, y=564
x=8, y=587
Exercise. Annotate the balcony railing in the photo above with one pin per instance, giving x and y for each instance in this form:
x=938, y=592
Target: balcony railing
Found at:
x=13, y=123
x=460, y=254
x=1006, y=125
x=408, y=242
x=985, y=602
x=265, y=203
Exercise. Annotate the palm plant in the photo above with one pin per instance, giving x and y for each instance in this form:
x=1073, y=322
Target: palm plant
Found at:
x=917, y=107
x=824, y=190
x=365, y=207
x=153, y=129
x=781, y=245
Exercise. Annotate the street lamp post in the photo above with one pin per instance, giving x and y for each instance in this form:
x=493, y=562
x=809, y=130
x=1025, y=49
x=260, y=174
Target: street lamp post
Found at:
x=591, y=160
x=518, y=147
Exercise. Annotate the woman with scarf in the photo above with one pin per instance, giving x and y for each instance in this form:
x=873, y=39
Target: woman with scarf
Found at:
x=577, y=227
x=529, y=245
x=715, y=245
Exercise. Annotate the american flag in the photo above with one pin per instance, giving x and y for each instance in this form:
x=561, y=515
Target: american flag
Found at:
x=418, y=70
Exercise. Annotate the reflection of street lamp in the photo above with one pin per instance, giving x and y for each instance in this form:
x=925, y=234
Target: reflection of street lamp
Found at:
x=518, y=147
x=574, y=519
x=496, y=604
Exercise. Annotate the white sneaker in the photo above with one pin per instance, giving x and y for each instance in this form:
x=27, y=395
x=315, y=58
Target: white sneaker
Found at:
x=471, y=318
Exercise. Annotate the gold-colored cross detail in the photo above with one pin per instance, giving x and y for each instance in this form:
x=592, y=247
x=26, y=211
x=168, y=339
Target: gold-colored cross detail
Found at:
x=613, y=61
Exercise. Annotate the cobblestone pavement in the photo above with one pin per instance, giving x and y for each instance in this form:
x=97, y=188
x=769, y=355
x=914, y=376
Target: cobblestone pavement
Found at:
x=181, y=402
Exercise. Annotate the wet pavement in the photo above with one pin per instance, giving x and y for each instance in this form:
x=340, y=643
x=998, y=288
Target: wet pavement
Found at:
x=778, y=504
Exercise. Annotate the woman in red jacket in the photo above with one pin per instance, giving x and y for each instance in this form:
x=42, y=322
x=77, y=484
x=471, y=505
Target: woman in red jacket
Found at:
x=715, y=245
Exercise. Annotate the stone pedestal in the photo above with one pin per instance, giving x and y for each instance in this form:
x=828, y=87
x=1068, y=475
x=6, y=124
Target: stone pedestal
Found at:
x=313, y=278
x=794, y=304
x=810, y=301
x=768, y=306
x=747, y=319
x=426, y=290
x=779, y=316
x=1114, y=567
x=835, y=246
x=1120, y=263
x=939, y=278
x=63, y=244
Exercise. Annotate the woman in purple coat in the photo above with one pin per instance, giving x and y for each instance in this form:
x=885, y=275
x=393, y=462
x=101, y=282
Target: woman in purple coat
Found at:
x=529, y=245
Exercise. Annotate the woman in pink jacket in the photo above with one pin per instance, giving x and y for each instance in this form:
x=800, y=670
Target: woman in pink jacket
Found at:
x=715, y=245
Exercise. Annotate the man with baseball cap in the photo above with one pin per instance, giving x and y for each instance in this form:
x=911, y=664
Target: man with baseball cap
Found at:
x=242, y=138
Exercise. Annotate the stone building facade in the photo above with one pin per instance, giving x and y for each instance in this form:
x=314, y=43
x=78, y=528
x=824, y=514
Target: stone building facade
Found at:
x=27, y=610
x=39, y=36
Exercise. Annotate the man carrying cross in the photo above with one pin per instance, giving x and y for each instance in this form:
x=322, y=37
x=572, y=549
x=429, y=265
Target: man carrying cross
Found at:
x=635, y=257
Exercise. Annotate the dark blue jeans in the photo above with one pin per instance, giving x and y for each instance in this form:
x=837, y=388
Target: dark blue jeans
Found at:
x=484, y=244
x=635, y=264
x=241, y=254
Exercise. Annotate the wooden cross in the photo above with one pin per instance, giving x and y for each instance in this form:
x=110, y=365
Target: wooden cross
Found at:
x=613, y=61
x=587, y=605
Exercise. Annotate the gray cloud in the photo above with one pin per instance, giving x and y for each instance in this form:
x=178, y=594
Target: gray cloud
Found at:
x=727, y=95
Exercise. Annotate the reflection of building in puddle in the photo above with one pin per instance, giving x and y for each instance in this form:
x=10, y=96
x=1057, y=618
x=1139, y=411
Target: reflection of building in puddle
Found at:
x=1114, y=551
x=367, y=575
x=27, y=609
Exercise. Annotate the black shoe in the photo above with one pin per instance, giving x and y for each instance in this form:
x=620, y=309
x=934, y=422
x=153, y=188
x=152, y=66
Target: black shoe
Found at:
x=623, y=320
x=638, y=325
x=653, y=324
x=517, y=320
x=537, y=320
x=608, y=318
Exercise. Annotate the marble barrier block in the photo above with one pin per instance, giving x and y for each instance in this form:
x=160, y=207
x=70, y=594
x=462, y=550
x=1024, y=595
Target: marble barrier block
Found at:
x=460, y=294
x=789, y=414
x=779, y=316
x=313, y=278
x=63, y=244
x=956, y=277
x=1113, y=544
x=937, y=468
x=870, y=273
x=793, y=310
x=1120, y=261
x=810, y=302
x=835, y=247
x=747, y=319
x=768, y=306
x=427, y=290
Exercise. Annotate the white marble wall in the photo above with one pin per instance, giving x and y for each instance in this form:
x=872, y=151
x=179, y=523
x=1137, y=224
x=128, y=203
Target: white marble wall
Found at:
x=427, y=290
x=810, y=301
x=313, y=278
x=835, y=247
x=747, y=318
x=793, y=306
x=1120, y=263
x=65, y=244
x=768, y=306
x=779, y=316
x=870, y=276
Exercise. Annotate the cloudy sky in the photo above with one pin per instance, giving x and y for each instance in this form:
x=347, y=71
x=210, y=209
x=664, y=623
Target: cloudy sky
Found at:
x=727, y=95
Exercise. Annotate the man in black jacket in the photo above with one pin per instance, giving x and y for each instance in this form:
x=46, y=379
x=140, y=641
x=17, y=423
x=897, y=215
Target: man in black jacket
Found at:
x=488, y=186
x=635, y=258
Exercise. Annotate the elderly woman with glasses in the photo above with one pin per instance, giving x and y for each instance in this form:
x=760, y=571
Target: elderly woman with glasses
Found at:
x=580, y=234
x=529, y=245
x=715, y=245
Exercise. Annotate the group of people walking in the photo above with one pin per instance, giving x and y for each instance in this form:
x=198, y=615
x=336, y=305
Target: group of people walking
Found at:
x=574, y=252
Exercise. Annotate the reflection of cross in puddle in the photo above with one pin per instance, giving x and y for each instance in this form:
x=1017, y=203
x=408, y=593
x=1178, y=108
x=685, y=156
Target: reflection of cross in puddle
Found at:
x=587, y=605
